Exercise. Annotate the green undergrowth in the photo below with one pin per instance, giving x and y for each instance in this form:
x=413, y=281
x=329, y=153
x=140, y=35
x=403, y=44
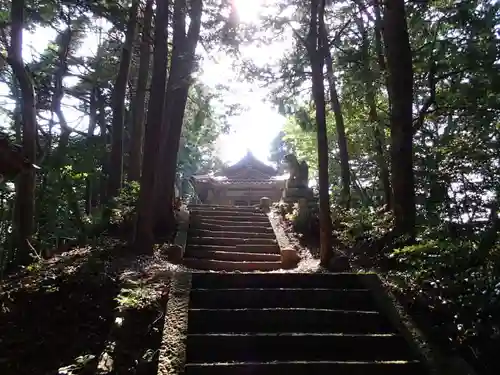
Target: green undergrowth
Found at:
x=449, y=283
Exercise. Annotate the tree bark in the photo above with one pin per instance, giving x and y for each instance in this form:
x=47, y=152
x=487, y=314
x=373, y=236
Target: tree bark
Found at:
x=89, y=193
x=373, y=117
x=179, y=82
x=118, y=104
x=144, y=236
x=25, y=189
x=315, y=50
x=104, y=141
x=339, y=118
x=139, y=103
x=400, y=79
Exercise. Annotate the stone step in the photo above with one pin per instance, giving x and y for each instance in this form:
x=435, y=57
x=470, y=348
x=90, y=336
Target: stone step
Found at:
x=228, y=213
x=230, y=241
x=230, y=222
x=232, y=227
x=265, y=249
x=287, y=320
x=278, y=280
x=232, y=218
x=307, y=368
x=202, y=348
x=234, y=256
x=210, y=207
x=358, y=299
x=223, y=233
x=230, y=266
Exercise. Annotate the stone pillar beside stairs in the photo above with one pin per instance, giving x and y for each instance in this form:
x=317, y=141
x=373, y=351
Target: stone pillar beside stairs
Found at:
x=295, y=192
x=303, y=196
x=175, y=251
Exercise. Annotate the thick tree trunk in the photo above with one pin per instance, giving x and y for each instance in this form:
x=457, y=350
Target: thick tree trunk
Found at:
x=118, y=105
x=317, y=56
x=400, y=78
x=25, y=188
x=339, y=118
x=378, y=135
x=139, y=103
x=179, y=82
x=144, y=236
x=89, y=193
x=104, y=141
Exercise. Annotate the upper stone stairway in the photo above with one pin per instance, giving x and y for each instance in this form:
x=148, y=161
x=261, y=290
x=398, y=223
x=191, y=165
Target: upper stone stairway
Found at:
x=231, y=238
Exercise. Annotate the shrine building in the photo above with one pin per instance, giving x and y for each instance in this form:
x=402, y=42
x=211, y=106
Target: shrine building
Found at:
x=241, y=184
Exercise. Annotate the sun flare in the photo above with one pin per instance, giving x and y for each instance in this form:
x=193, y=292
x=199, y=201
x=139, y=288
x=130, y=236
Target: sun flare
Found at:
x=248, y=10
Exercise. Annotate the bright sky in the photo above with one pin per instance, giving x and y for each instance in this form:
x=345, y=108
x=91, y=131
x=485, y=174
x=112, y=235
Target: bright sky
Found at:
x=253, y=130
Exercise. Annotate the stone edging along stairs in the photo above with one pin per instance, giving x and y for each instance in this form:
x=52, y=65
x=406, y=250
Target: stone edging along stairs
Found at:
x=231, y=238
x=254, y=323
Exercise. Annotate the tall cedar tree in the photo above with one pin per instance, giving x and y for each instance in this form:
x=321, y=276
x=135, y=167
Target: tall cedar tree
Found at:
x=118, y=105
x=25, y=189
x=144, y=236
x=316, y=54
x=179, y=82
x=400, y=87
x=339, y=118
x=138, y=108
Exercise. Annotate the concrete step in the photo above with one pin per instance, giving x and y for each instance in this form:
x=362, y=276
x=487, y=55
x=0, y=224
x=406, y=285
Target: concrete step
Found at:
x=269, y=323
x=287, y=320
x=258, y=248
x=232, y=227
x=305, y=281
x=238, y=218
x=228, y=213
x=234, y=256
x=230, y=266
x=216, y=219
x=211, y=207
x=307, y=368
x=223, y=233
x=202, y=348
x=231, y=241
x=357, y=299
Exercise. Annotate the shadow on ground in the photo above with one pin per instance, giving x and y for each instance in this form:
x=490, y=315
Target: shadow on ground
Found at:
x=55, y=318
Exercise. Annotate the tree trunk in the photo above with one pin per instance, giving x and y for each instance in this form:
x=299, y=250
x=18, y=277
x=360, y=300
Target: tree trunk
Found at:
x=25, y=192
x=118, y=106
x=179, y=82
x=139, y=103
x=317, y=57
x=377, y=126
x=400, y=78
x=144, y=237
x=104, y=141
x=89, y=201
x=339, y=118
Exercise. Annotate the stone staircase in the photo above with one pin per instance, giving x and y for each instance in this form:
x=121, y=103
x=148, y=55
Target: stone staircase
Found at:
x=231, y=238
x=290, y=323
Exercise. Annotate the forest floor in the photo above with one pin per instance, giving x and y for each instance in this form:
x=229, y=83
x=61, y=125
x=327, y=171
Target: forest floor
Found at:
x=67, y=315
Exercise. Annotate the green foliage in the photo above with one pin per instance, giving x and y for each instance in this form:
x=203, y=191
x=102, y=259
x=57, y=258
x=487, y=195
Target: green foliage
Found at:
x=135, y=296
x=468, y=294
x=123, y=206
x=354, y=225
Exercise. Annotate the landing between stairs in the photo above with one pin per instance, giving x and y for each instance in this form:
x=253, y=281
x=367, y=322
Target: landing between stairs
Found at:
x=255, y=323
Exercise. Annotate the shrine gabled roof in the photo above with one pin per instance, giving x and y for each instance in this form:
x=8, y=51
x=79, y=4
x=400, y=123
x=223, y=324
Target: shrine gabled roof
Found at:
x=249, y=161
x=222, y=180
